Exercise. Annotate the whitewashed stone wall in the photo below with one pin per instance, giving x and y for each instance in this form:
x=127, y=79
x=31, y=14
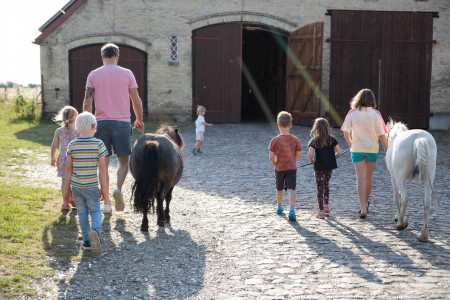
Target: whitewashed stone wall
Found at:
x=147, y=25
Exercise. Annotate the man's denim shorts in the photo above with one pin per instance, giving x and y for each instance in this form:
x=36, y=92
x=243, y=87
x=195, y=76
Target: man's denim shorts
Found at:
x=116, y=135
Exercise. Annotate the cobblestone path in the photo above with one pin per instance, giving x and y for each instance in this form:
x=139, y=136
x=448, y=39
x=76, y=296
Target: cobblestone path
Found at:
x=225, y=240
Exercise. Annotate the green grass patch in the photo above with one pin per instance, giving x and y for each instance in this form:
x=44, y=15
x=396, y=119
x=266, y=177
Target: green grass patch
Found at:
x=25, y=214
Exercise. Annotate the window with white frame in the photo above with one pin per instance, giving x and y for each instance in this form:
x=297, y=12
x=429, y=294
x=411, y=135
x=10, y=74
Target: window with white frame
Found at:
x=173, y=49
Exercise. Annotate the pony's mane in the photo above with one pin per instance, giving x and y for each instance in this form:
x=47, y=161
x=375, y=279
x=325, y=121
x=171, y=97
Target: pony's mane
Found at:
x=172, y=134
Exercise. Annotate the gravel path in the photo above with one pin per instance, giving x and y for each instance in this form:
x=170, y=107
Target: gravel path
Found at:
x=225, y=240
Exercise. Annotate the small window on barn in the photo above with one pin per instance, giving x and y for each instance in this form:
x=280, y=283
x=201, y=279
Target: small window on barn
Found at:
x=173, y=60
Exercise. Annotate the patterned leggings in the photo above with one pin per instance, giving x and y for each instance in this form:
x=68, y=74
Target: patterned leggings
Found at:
x=323, y=189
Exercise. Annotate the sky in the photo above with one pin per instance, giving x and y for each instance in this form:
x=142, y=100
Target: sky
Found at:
x=19, y=22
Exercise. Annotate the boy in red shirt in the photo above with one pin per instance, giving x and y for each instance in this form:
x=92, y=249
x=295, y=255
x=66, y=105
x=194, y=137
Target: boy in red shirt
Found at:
x=285, y=149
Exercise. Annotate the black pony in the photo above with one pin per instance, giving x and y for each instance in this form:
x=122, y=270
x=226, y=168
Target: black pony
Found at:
x=156, y=164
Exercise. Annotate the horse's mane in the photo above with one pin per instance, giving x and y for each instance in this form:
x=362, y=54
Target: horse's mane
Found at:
x=172, y=134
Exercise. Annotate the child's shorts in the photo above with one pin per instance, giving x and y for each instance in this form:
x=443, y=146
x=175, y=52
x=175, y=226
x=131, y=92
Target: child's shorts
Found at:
x=286, y=179
x=199, y=136
x=360, y=156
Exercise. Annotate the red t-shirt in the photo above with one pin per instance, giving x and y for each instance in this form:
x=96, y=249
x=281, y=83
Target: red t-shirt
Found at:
x=285, y=147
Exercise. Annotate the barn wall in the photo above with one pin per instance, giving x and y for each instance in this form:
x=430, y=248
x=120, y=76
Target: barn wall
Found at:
x=147, y=25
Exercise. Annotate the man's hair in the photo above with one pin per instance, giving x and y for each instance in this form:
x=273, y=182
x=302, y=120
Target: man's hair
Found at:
x=284, y=119
x=85, y=120
x=109, y=50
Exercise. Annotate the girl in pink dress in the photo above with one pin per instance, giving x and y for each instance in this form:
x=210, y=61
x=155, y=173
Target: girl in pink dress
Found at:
x=63, y=135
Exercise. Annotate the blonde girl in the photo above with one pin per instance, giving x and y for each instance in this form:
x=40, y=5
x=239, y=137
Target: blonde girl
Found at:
x=323, y=150
x=363, y=128
x=200, y=124
x=63, y=135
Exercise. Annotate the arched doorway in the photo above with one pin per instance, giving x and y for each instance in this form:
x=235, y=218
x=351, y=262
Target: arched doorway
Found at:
x=250, y=72
x=83, y=60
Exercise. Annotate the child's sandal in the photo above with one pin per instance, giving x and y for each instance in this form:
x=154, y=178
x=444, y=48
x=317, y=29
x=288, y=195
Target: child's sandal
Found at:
x=65, y=207
x=320, y=214
x=326, y=209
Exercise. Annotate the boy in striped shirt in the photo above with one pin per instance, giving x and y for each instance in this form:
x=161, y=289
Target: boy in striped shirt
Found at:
x=85, y=155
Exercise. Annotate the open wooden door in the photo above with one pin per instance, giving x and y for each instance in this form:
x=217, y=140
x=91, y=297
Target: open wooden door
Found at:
x=304, y=73
x=217, y=72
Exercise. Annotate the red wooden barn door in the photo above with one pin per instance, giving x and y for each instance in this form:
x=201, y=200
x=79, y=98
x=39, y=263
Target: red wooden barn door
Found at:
x=217, y=72
x=87, y=58
x=304, y=73
x=406, y=67
x=354, y=58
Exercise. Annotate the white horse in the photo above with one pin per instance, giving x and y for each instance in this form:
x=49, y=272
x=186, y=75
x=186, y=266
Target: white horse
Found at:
x=411, y=154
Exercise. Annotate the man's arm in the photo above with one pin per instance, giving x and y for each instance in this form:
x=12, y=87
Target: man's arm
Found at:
x=88, y=99
x=137, y=108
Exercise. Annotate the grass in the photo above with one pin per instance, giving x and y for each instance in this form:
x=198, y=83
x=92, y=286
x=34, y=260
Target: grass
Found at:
x=31, y=225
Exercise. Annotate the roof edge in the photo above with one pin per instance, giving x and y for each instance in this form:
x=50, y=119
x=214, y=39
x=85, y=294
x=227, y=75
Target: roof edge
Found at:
x=57, y=19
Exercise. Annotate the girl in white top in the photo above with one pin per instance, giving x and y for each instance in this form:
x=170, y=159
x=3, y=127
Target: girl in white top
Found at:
x=200, y=129
x=363, y=128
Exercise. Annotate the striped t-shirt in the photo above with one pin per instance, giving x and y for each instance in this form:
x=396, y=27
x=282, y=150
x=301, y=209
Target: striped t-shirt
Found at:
x=85, y=153
x=285, y=147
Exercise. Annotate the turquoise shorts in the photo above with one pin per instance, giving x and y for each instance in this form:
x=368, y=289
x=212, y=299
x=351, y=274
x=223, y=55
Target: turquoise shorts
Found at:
x=360, y=156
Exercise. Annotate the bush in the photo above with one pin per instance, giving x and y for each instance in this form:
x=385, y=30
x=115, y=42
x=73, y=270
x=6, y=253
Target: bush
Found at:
x=23, y=110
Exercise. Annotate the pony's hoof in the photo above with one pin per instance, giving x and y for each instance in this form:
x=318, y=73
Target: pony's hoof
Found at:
x=144, y=228
x=396, y=218
x=167, y=219
x=160, y=223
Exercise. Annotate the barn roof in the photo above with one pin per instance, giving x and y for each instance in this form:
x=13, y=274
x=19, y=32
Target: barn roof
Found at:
x=58, y=18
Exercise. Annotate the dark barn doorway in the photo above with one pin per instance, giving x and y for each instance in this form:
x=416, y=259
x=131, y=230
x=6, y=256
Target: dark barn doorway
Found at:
x=249, y=72
x=263, y=92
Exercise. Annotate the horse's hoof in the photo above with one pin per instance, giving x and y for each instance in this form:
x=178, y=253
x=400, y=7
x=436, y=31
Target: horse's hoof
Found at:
x=402, y=226
x=396, y=218
x=160, y=223
x=167, y=220
x=144, y=228
x=423, y=237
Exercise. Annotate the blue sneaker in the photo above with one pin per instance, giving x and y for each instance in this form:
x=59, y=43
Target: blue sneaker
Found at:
x=279, y=211
x=194, y=151
x=199, y=152
x=292, y=216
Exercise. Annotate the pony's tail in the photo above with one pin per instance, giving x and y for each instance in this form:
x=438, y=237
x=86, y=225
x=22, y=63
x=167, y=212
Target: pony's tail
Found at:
x=422, y=151
x=147, y=175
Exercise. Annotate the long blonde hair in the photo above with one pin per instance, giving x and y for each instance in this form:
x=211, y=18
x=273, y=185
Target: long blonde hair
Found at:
x=321, y=132
x=364, y=98
x=65, y=117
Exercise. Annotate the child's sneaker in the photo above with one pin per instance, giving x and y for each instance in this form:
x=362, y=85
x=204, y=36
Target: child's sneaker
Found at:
x=279, y=211
x=194, y=151
x=86, y=246
x=320, y=214
x=119, y=205
x=326, y=209
x=199, y=152
x=107, y=209
x=96, y=246
x=292, y=216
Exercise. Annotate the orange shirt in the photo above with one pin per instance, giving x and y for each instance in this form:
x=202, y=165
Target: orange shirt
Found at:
x=285, y=147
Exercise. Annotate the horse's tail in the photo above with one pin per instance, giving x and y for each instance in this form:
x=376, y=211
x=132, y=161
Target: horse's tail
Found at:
x=146, y=177
x=422, y=154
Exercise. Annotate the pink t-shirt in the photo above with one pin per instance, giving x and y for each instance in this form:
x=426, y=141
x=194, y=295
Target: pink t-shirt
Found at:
x=112, y=86
x=366, y=126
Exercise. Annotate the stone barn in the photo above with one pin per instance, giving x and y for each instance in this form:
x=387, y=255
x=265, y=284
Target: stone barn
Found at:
x=245, y=60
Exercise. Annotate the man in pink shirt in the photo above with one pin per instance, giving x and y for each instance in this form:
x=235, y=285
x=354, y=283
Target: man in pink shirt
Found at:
x=112, y=87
